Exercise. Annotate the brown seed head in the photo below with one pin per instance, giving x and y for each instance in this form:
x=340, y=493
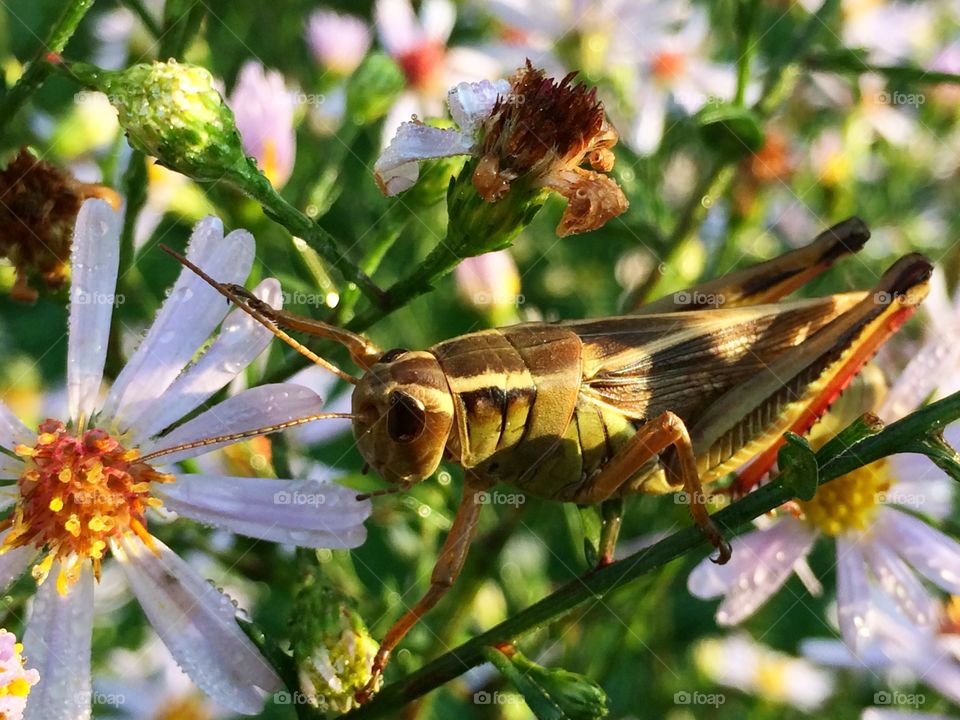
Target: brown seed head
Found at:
x=38, y=208
x=544, y=130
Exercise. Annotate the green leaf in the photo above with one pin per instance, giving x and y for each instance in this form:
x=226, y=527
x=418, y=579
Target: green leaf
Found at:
x=798, y=466
x=733, y=129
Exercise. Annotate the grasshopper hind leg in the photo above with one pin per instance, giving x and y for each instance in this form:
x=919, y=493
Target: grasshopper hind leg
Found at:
x=652, y=438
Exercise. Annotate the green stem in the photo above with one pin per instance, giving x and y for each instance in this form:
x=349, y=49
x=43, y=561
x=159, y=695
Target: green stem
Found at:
x=748, y=12
x=843, y=459
x=138, y=9
x=853, y=62
x=39, y=69
x=181, y=20
x=254, y=184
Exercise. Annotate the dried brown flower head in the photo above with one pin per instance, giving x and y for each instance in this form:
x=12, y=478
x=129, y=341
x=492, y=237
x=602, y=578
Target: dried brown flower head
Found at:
x=38, y=208
x=545, y=130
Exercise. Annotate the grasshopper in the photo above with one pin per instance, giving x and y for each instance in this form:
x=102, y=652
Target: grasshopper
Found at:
x=668, y=399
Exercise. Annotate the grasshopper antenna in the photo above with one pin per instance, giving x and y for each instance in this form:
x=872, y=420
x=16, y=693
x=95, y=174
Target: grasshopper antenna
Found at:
x=402, y=487
x=236, y=437
x=260, y=317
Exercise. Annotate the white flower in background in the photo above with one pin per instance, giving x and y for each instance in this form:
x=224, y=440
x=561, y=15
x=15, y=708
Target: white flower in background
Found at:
x=338, y=42
x=418, y=44
x=82, y=486
x=653, y=52
x=739, y=662
x=891, y=31
x=491, y=284
x=881, y=545
x=146, y=684
x=901, y=653
x=263, y=108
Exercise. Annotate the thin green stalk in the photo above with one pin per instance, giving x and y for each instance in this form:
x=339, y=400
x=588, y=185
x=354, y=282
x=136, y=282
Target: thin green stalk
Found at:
x=856, y=451
x=39, y=69
x=748, y=12
x=138, y=9
x=853, y=63
x=254, y=184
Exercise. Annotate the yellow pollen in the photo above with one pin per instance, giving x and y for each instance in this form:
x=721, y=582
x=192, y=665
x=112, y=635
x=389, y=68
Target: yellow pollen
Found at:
x=77, y=492
x=24, y=451
x=849, y=502
x=18, y=687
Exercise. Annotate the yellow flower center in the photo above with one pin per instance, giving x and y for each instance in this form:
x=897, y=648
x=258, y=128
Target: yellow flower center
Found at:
x=76, y=493
x=190, y=707
x=849, y=502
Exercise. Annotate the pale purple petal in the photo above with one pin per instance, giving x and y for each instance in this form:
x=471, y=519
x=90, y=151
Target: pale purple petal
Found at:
x=396, y=169
x=761, y=563
x=921, y=485
x=57, y=644
x=263, y=110
x=933, y=554
x=10, y=468
x=240, y=340
x=198, y=625
x=853, y=594
x=898, y=581
x=471, y=103
x=185, y=321
x=12, y=430
x=397, y=26
x=94, y=260
x=338, y=41
x=266, y=405
x=308, y=513
x=14, y=562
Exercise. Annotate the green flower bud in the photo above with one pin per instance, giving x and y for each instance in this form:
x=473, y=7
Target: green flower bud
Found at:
x=173, y=112
x=373, y=87
x=479, y=226
x=332, y=648
x=552, y=694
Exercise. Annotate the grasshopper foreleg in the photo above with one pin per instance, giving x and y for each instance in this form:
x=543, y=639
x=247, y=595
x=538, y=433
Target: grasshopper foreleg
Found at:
x=450, y=562
x=653, y=437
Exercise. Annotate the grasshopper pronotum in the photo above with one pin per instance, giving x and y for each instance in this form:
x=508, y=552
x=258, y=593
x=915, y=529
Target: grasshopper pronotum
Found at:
x=670, y=398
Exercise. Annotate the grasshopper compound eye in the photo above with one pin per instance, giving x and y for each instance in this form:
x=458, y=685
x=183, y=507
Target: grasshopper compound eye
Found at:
x=406, y=418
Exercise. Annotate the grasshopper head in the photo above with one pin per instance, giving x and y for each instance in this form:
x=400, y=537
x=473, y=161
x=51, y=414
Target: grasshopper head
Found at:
x=403, y=414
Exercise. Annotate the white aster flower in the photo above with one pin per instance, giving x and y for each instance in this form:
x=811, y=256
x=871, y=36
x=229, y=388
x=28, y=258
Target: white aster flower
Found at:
x=901, y=653
x=82, y=486
x=418, y=44
x=739, y=662
x=882, y=546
